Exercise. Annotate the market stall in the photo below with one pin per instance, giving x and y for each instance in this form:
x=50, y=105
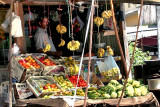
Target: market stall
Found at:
x=64, y=81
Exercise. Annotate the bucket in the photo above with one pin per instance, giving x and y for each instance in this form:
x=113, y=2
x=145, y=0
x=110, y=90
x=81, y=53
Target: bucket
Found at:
x=154, y=84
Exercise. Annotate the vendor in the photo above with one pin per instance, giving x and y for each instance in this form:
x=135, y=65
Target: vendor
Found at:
x=41, y=37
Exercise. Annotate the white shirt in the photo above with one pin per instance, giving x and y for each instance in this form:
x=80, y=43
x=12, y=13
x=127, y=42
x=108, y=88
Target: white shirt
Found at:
x=40, y=37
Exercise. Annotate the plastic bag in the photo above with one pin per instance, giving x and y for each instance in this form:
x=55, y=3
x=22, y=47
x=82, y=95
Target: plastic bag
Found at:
x=109, y=68
x=15, y=49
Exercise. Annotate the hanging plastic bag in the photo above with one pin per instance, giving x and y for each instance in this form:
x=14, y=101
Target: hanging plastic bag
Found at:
x=15, y=49
x=109, y=68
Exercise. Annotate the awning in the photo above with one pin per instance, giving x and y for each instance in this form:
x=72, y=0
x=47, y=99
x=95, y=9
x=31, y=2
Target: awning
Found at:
x=149, y=2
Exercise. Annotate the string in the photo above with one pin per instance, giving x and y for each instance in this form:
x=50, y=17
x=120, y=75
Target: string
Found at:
x=71, y=20
x=80, y=66
x=69, y=33
x=49, y=24
x=44, y=8
x=60, y=16
x=29, y=16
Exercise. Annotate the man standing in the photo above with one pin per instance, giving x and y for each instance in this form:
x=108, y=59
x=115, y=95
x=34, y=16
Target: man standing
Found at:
x=41, y=38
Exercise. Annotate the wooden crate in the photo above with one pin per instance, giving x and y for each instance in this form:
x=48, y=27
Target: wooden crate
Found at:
x=33, y=83
x=20, y=73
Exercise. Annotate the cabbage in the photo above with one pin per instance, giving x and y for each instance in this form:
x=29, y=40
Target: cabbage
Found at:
x=136, y=83
x=144, y=90
x=137, y=91
x=130, y=91
x=119, y=94
x=113, y=94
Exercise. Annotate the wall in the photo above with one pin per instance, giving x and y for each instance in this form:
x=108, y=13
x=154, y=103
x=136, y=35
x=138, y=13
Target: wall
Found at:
x=132, y=20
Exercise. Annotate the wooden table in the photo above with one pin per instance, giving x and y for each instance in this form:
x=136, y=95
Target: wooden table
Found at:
x=59, y=102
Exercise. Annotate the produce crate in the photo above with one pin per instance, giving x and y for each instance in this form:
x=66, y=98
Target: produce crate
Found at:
x=64, y=82
x=20, y=72
x=22, y=91
x=39, y=85
x=95, y=80
x=50, y=66
x=82, y=82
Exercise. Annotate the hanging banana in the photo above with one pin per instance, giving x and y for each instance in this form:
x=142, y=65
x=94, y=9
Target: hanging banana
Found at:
x=47, y=48
x=101, y=52
x=61, y=29
x=73, y=45
x=98, y=21
x=107, y=14
x=110, y=51
x=62, y=43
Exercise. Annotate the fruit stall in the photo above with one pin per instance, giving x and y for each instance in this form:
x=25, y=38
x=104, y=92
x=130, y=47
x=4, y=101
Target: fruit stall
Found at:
x=44, y=80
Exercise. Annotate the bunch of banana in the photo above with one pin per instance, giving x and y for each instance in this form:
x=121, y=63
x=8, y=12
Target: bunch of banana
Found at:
x=74, y=69
x=62, y=43
x=47, y=48
x=98, y=21
x=101, y=52
x=107, y=14
x=73, y=45
x=110, y=51
x=61, y=29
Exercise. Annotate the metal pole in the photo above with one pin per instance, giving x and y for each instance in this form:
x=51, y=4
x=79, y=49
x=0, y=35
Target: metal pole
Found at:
x=158, y=29
x=10, y=57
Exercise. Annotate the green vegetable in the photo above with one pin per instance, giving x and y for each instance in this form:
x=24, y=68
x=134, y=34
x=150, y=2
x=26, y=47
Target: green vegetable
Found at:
x=144, y=90
x=113, y=94
x=137, y=91
x=130, y=80
x=107, y=89
x=114, y=87
x=130, y=91
x=114, y=82
x=119, y=87
x=106, y=96
x=136, y=83
x=119, y=94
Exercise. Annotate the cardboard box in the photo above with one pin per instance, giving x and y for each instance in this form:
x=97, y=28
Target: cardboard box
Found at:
x=5, y=92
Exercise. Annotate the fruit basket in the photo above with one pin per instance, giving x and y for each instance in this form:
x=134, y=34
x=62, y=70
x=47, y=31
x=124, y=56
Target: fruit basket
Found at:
x=50, y=66
x=42, y=85
x=63, y=82
x=25, y=65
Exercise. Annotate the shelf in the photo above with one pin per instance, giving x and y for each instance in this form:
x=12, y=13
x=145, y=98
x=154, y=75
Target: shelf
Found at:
x=107, y=32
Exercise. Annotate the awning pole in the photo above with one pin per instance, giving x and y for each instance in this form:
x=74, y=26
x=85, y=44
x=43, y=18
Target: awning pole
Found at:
x=10, y=57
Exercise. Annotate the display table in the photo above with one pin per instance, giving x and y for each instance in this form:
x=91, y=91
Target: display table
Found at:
x=147, y=99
